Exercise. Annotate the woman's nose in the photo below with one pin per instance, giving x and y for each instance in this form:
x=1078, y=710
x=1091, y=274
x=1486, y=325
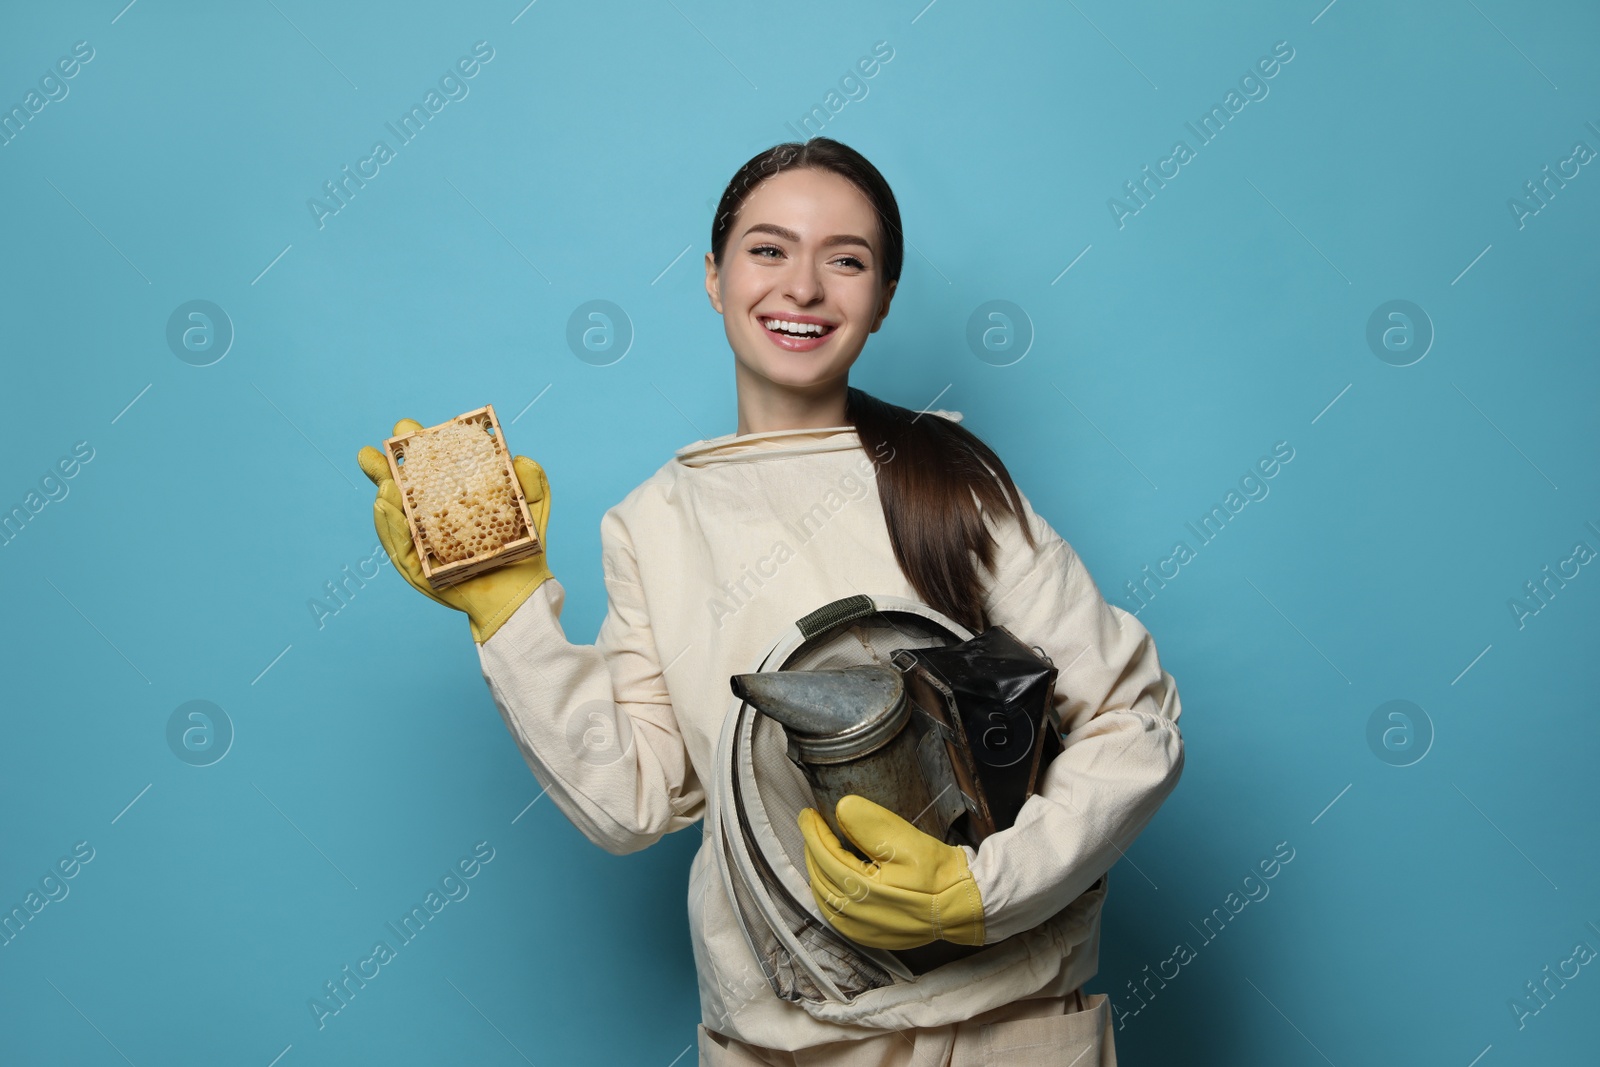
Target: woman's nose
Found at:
x=802, y=283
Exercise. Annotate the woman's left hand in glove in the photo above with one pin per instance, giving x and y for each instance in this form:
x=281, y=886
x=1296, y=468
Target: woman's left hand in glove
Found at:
x=917, y=890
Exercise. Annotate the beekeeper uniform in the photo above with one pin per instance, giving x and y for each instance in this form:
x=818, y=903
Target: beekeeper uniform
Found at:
x=714, y=555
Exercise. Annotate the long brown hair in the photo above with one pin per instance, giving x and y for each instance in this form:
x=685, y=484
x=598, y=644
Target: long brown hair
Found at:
x=937, y=470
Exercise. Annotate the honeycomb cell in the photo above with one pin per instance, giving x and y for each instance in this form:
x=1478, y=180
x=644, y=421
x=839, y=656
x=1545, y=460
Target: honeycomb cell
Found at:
x=459, y=468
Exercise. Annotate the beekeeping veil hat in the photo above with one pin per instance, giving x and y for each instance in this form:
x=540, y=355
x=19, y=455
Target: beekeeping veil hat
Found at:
x=753, y=804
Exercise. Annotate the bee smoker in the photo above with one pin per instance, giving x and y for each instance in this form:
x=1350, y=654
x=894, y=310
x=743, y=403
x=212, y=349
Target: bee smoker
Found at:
x=852, y=730
x=963, y=730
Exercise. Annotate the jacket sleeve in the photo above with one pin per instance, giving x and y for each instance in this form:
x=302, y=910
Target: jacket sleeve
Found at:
x=1122, y=751
x=594, y=722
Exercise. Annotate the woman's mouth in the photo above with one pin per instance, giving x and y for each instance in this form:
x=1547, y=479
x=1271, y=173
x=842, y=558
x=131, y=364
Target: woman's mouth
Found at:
x=796, y=336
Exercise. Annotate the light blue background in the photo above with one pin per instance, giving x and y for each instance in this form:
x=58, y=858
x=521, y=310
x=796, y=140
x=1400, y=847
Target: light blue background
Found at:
x=1229, y=314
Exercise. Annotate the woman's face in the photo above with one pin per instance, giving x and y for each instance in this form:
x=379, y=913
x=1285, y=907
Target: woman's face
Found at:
x=804, y=249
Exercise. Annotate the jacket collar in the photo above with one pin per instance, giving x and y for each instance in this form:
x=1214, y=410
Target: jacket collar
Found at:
x=765, y=444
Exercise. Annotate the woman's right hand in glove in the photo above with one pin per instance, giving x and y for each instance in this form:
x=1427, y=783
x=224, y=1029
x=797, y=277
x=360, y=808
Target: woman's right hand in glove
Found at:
x=488, y=599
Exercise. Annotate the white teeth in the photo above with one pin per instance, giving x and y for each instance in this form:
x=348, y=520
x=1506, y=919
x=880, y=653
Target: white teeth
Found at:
x=807, y=329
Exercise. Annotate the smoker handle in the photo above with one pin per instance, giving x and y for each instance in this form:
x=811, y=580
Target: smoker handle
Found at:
x=840, y=611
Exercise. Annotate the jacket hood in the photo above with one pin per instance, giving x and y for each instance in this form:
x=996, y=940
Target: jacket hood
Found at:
x=765, y=444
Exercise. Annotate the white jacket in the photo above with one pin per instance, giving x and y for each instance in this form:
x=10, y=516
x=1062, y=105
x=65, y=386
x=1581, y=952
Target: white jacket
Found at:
x=706, y=563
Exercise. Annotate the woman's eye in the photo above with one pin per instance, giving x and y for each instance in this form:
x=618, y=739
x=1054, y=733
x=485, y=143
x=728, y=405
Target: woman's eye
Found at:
x=761, y=250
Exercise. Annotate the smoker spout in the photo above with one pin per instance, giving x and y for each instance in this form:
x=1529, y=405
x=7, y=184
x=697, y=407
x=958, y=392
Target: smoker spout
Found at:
x=829, y=704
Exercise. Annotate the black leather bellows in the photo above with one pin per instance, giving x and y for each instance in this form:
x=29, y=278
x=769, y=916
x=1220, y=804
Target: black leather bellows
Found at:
x=991, y=699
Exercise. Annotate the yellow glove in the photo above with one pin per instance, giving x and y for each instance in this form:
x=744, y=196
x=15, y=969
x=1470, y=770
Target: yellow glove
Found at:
x=919, y=889
x=488, y=598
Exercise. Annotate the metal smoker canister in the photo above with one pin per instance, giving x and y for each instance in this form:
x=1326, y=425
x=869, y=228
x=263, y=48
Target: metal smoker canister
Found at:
x=851, y=730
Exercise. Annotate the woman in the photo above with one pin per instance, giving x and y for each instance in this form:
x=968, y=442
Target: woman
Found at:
x=824, y=492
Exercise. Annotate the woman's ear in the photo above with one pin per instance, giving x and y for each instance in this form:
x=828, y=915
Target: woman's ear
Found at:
x=713, y=285
x=883, y=308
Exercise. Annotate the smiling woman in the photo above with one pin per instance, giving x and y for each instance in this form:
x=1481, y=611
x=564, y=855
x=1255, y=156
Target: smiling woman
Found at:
x=806, y=256
x=824, y=498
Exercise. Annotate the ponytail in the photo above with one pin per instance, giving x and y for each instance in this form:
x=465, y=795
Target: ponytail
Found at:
x=930, y=487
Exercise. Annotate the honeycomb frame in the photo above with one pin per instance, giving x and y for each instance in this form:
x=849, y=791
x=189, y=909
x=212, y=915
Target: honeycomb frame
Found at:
x=441, y=575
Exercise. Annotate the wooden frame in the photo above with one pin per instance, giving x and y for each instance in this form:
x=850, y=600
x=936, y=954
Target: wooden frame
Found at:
x=444, y=575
